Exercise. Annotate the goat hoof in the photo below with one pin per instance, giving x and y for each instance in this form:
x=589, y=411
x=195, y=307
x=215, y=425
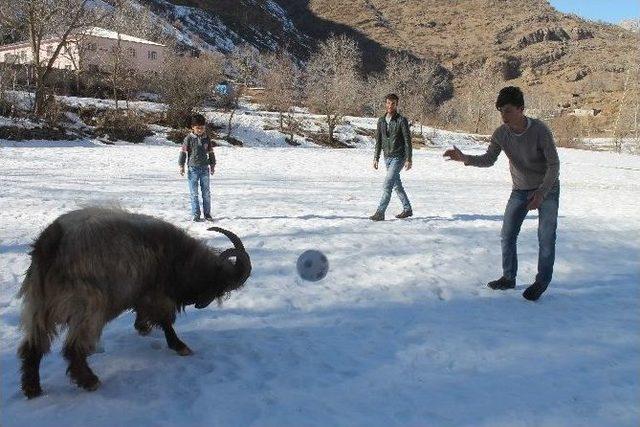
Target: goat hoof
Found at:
x=186, y=351
x=144, y=328
x=31, y=391
x=89, y=384
x=93, y=387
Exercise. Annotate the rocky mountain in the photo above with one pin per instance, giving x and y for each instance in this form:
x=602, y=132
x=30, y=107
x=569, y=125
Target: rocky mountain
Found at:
x=563, y=59
x=560, y=58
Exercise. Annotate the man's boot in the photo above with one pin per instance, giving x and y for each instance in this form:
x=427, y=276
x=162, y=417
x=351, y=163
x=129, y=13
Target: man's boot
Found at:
x=377, y=217
x=502, y=284
x=405, y=214
x=533, y=292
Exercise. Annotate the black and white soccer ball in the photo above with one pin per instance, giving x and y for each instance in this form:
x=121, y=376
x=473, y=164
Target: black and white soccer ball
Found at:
x=312, y=265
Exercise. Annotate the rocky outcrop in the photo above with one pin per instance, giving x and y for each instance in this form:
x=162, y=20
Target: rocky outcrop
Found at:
x=547, y=57
x=578, y=33
x=507, y=67
x=544, y=34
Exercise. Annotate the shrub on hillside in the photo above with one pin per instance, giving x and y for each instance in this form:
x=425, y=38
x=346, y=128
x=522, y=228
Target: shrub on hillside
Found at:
x=122, y=125
x=185, y=83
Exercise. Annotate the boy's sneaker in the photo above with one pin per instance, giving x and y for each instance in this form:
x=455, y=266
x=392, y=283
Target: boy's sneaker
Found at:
x=377, y=217
x=502, y=284
x=533, y=292
x=208, y=218
x=404, y=214
x=197, y=219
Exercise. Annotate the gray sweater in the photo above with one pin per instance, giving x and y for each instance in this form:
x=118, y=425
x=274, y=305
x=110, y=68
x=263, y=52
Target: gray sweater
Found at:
x=198, y=149
x=533, y=159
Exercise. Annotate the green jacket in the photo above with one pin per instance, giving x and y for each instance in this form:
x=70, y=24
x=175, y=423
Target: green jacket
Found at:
x=394, y=141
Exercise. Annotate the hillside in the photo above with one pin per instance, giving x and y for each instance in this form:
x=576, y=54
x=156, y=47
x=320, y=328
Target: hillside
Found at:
x=557, y=56
x=559, y=59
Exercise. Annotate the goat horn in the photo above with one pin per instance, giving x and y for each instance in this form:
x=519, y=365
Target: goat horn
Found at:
x=243, y=262
x=234, y=239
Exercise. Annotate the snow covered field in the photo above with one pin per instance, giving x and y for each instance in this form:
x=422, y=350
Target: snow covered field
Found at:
x=402, y=331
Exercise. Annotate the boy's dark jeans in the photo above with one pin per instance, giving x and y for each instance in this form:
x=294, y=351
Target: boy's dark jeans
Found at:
x=199, y=175
x=514, y=215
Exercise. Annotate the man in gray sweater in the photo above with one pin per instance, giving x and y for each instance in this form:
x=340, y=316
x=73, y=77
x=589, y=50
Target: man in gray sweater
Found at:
x=535, y=169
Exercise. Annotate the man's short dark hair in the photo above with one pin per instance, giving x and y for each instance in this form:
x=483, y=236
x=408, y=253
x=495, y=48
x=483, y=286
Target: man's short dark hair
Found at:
x=392, y=97
x=510, y=95
x=198, y=120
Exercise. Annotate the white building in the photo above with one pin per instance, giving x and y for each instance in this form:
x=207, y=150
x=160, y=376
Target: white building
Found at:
x=92, y=48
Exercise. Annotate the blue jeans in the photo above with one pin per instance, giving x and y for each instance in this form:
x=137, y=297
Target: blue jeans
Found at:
x=199, y=174
x=514, y=215
x=391, y=181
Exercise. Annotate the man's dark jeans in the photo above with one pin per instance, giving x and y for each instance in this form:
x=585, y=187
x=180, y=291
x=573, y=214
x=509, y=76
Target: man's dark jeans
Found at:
x=514, y=215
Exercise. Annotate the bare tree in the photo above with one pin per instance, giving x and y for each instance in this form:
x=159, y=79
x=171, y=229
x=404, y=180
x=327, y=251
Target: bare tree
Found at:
x=245, y=64
x=282, y=81
x=477, y=101
x=186, y=82
x=414, y=81
x=332, y=80
x=626, y=119
x=232, y=103
x=132, y=19
x=57, y=19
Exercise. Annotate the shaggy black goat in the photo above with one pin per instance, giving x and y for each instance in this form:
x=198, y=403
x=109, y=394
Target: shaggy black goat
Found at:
x=90, y=265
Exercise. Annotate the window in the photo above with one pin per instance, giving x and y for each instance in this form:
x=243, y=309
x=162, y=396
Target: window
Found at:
x=49, y=50
x=152, y=55
x=91, y=47
x=132, y=52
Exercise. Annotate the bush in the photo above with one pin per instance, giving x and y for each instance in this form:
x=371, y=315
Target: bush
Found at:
x=185, y=83
x=7, y=108
x=177, y=135
x=53, y=112
x=122, y=125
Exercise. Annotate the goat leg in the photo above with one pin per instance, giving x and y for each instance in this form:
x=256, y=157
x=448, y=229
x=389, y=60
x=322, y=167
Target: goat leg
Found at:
x=173, y=341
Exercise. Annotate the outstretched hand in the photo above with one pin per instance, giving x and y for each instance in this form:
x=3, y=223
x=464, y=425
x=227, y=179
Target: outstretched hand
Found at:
x=375, y=164
x=455, y=154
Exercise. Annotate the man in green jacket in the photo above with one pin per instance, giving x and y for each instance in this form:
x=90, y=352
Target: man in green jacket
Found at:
x=393, y=138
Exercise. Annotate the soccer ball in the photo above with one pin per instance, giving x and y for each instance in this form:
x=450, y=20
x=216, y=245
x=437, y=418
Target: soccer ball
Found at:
x=312, y=265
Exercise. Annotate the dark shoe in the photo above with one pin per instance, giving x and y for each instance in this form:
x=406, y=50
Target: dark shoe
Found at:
x=502, y=284
x=208, y=218
x=197, y=219
x=404, y=214
x=533, y=292
x=377, y=217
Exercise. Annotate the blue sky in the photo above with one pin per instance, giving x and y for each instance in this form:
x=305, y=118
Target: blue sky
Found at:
x=605, y=10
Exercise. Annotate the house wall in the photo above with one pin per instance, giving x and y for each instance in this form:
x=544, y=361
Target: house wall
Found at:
x=140, y=57
x=92, y=51
x=20, y=53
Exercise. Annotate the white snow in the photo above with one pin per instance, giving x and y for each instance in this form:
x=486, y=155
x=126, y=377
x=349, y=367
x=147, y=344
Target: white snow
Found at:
x=401, y=332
